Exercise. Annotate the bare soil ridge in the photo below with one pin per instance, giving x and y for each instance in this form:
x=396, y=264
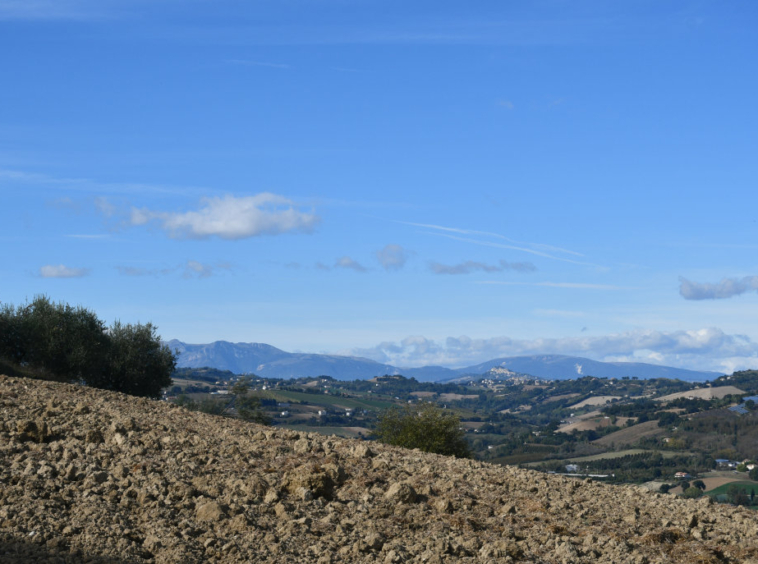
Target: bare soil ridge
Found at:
x=88, y=476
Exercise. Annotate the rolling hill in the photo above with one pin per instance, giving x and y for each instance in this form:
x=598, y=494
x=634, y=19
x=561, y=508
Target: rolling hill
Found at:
x=271, y=362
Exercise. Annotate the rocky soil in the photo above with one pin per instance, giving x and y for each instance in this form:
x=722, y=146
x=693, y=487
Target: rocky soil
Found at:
x=92, y=476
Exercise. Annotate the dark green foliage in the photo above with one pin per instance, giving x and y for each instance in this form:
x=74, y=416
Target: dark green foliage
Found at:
x=753, y=474
x=667, y=419
x=205, y=374
x=138, y=364
x=745, y=380
x=240, y=402
x=67, y=342
x=61, y=342
x=699, y=484
x=737, y=495
x=692, y=493
x=664, y=488
x=247, y=406
x=423, y=426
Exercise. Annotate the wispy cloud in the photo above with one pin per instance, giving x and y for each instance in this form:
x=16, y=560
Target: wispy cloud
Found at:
x=727, y=288
x=472, y=266
x=392, y=257
x=450, y=29
x=189, y=269
x=347, y=262
x=104, y=206
x=484, y=238
x=571, y=285
x=65, y=203
x=94, y=236
x=88, y=185
x=53, y=9
x=195, y=269
x=507, y=104
x=137, y=271
x=231, y=217
x=62, y=271
x=704, y=349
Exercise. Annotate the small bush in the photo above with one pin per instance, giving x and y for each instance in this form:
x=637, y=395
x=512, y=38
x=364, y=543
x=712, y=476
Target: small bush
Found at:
x=424, y=426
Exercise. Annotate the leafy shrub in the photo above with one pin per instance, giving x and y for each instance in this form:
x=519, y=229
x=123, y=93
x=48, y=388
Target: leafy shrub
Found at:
x=692, y=492
x=424, y=426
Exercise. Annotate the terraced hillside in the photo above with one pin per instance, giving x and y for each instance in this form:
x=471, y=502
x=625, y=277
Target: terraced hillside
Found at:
x=93, y=476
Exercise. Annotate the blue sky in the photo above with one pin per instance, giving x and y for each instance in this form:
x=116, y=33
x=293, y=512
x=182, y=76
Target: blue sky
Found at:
x=416, y=182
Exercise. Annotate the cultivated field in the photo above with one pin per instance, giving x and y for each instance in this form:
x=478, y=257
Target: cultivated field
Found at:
x=591, y=424
x=631, y=435
x=595, y=400
x=561, y=397
x=329, y=400
x=704, y=393
x=454, y=397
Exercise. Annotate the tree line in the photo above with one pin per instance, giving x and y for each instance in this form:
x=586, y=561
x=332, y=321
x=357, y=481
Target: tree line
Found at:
x=57, y=341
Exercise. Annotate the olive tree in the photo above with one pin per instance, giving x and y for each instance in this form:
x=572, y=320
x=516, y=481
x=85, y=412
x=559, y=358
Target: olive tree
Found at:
x=247, y=405
x=137, y=363
x=67, y=342
x=425, y=426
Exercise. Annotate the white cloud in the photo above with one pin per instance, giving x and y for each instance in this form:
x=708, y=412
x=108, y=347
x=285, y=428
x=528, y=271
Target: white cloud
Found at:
x=62, y=271
x=190, y=269
x=471, y=266
x=103, y=206
x=197, y=269
x=702, y=349
x=347, y=262
x=507, y=104
x=392, y=257
x=230, y=217
x=727, y=288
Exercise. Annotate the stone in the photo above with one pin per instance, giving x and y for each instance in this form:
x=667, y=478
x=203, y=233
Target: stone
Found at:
x=210, y=511
x=400, y=492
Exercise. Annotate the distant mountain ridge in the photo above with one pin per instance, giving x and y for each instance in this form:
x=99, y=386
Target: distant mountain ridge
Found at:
x=271, y=362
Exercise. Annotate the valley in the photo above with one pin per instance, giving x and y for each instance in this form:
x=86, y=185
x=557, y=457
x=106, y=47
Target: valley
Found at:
x=628, y=430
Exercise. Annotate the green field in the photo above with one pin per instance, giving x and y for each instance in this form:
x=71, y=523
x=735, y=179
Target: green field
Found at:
x=745, y=485
x=328, y=400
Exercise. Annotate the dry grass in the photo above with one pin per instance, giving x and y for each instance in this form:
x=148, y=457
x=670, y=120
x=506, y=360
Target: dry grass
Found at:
x=595, y=400
x=589, y=424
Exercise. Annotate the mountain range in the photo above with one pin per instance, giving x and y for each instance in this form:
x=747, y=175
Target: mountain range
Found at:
x=269, y=362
